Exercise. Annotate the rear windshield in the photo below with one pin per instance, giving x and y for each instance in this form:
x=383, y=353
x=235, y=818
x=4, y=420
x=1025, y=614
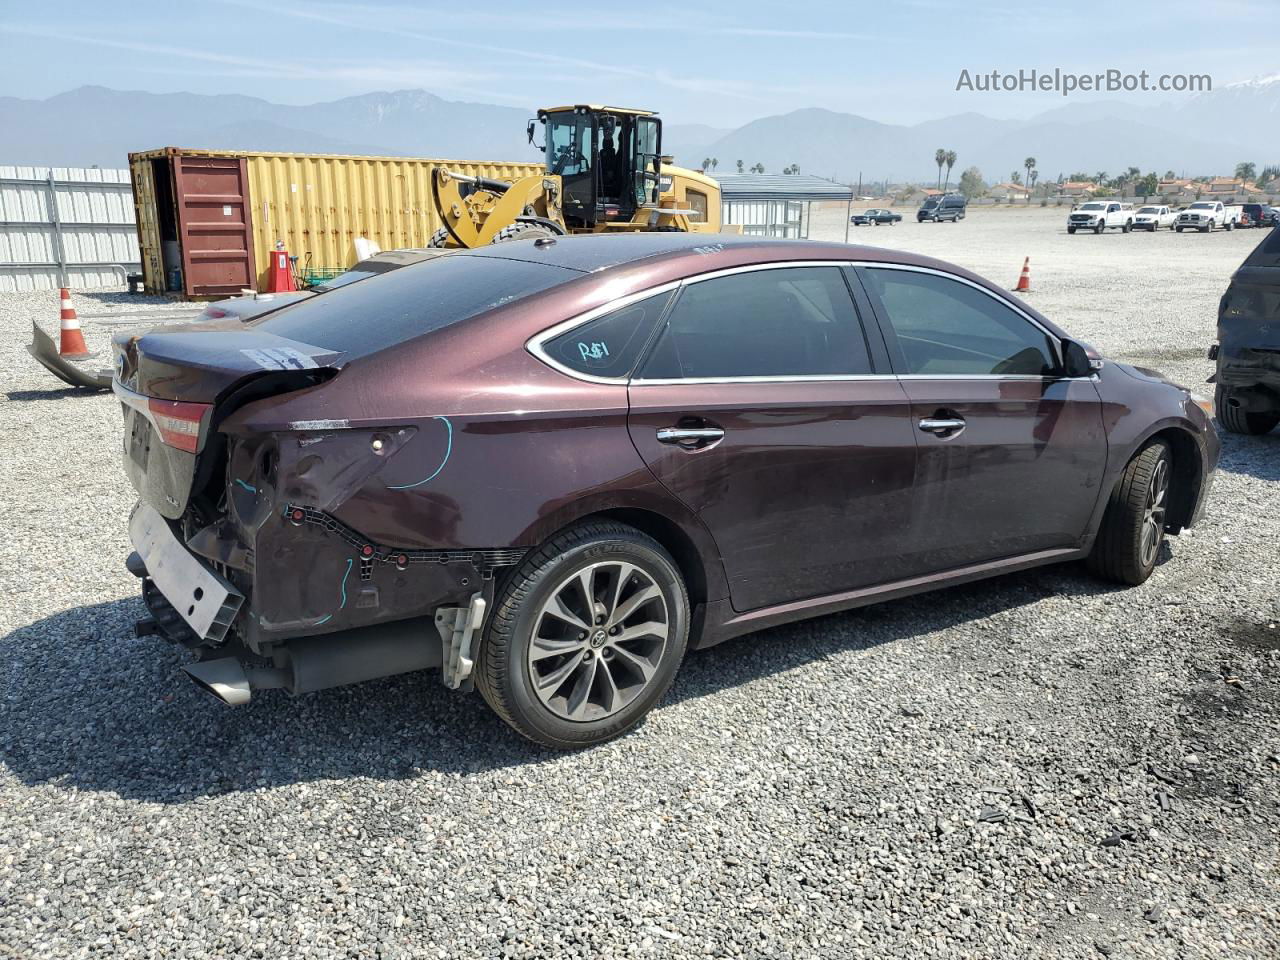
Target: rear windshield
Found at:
x=363, y=318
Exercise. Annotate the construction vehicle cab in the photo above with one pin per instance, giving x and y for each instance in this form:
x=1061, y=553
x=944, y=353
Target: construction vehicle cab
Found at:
x=608, y=160
x=605, y=173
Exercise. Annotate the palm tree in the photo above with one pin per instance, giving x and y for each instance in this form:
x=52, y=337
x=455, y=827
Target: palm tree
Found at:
x=1015, y=177
x=1035, y=175
x=940, y=157
x=1029, y=164
x=1100, y=177
x=714, y=163
x=1246, y=171
x=758, y=168
x=951, y=162
x=739, y=166
x=706, y=163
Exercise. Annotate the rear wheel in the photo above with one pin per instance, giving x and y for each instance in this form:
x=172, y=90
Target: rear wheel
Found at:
x=586, y=636
x=1238, y=420
x=521, y=230
x=439, y=239
x=1132, y=528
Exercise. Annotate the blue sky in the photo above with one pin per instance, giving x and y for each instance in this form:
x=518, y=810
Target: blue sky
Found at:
x=709, y=62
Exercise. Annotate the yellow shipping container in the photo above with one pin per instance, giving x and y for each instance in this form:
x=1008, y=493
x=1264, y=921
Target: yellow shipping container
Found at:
x=209, y=220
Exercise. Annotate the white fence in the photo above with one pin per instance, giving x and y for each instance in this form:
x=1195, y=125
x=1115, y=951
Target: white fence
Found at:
x=66, y=226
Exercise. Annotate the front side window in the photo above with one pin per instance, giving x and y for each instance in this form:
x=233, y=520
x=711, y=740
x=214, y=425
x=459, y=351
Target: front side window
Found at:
x=947, y=328
x=786, y=322
x=608, y=346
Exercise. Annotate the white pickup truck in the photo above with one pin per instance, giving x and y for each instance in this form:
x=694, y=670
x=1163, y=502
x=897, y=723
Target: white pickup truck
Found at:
x=1098, y=215
x=1154, y=218
x=1204, y=215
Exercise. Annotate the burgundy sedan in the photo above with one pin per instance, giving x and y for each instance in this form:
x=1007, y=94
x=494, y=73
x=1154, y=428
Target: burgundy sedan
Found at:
x=550, y=467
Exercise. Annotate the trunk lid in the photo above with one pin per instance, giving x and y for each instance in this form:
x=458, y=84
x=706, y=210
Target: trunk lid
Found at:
x=176, y=386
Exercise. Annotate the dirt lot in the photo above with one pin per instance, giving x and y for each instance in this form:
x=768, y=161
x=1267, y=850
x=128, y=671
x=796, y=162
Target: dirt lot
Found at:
x=1038, y=766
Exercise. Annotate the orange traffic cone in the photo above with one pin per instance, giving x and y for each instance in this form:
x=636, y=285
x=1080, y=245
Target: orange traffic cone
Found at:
x=71, y=344
x=1024, y=281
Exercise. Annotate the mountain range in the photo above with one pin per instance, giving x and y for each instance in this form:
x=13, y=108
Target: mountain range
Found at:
x=1204, y=134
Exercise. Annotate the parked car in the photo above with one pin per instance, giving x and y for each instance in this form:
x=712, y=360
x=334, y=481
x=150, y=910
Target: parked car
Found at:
x=1256, y=215
x=1100, y=215
x=552, y=466
x=256, y=304
x=1204, y=215
x=875, y=217
x=1153, y=217
x=1247, y=379
x=951, y=207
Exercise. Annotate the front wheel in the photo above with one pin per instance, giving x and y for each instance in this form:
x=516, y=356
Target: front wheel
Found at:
x=1132, y=528
x=1099, y=228
x=586, y=636
x=1177, y=229
x=1071, y=229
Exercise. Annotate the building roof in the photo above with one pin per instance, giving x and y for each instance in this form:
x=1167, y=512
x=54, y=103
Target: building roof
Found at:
x=1012, y=186
x=780, y=186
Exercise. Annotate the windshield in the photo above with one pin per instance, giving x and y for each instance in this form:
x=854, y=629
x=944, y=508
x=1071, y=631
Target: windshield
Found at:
x=1202, y=206
x=1149, y=210
x=568, y=143
x=1093, y=206
x=930, y=203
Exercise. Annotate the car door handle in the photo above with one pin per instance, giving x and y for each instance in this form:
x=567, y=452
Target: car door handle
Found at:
x=687, y=434
x=941, y=425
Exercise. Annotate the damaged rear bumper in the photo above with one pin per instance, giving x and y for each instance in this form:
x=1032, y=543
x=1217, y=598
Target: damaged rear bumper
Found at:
x=192, y=602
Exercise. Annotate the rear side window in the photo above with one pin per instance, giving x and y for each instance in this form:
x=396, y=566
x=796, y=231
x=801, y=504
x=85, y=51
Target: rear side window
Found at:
x=379, y=312
x=609, y=346
x=787, y=322
x=947, y=328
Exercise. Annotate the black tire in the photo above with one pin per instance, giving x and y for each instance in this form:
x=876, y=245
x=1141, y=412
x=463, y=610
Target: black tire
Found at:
x=1118, y=551
x=502, y=674
x=1128, y=225
x=1236, y=420
x=1229, y=226
x=439, y=239
x=1071, y=229
x=521, y=230
x=1177, y=229
x=1102, y=225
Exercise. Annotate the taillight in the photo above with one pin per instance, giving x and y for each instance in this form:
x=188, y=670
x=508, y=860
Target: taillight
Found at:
x=178, y=422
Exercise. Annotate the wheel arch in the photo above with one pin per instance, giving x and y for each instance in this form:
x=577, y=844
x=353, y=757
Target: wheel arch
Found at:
x=1188, y=472
x=676, y=528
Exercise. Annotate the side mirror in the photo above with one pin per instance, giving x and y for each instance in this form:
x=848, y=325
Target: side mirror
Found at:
x=529, y=132
x=1076, y=361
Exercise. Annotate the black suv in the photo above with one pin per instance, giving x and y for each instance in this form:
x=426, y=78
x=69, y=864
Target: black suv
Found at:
x=949, y=207
x=1247, y=395
x=1257, y=215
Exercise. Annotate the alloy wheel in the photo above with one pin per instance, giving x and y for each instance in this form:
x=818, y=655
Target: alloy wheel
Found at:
x=598, y=640
x=1153, y=513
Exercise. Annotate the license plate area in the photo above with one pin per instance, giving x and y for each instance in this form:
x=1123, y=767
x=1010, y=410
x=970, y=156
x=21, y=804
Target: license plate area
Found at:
x=139, y=442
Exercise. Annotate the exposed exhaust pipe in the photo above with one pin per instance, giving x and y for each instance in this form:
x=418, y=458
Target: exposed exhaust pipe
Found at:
x=317, y=663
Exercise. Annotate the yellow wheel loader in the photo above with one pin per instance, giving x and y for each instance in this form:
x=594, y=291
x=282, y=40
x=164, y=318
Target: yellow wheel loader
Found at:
x=605, y=173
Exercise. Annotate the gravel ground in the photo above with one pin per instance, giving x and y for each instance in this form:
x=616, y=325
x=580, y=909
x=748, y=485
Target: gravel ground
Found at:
x=1036, y=766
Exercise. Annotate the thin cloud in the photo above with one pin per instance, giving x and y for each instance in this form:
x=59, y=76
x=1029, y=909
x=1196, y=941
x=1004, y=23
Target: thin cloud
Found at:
x=794, y=34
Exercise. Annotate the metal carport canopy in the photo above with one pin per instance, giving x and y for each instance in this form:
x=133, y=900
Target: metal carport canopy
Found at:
x=780, y=186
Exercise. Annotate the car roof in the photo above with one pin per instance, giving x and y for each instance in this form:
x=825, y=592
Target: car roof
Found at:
x=595, y=252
